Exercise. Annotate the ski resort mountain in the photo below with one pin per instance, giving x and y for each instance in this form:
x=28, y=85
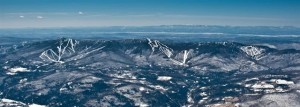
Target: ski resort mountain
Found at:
x=136, y=72
x=213, y=56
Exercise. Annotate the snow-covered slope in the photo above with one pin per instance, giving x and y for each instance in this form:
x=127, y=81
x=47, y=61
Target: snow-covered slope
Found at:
x=223, y=56
x=68, y=72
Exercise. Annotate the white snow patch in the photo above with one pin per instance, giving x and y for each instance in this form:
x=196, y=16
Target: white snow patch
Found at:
x=13, y=71
x=11, y=103
x=158, y=87
x=256, y=79
x=262, y=86
x=203, y=94
x=280, y=81
x=18, y=69
x=62, y=89
x=247, y=85
x=142, y=89
x=268, y=45
x=144, y=105
x=8, y=100
x=36, y=105
x=164, y=78
x=23, y=80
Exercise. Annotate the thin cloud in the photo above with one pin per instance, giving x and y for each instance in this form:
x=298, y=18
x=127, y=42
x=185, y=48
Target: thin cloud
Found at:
x=39, y=17
x=39, y=13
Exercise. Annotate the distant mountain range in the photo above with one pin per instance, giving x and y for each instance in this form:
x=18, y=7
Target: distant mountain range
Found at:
x=214, y=56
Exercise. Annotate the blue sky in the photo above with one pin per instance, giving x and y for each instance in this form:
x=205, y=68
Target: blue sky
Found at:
x=90, y=13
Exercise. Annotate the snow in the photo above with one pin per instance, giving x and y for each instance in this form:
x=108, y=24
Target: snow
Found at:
x=142, y=89
x=23, y=80
x=158, y=87
x=280, y=81
x=247, y=85
x=130, y=92
x=252, y=51
x=13, y=71
x=294, y=68
x=162, y=47
x=185, y=56
x=62, y=89
x=263, y=86
x=203, y=94
x=280, y=89
x=201, y=101
x=164, y=78
x=5, y=67
x=203, y=88
x=189, y=98
x=274, y=100
x=9, y=102
x=36, y=105
x=144, y=105
x=169, y=52
x=251, y=79
x=56, y=56
x=268, y=45
x=18, y=69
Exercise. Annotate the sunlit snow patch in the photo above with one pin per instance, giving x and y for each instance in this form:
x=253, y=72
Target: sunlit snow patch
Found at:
x=13, y=71
x=9, y=102
x=262, y=86
x=142, y=89
x=284, y=82
x=36, y=105
x=144, y=105
x=164, y=78
x=12, y=103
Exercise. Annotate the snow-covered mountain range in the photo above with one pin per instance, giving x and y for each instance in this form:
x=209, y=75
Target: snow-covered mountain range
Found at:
x=136, y=72
x=214, y=56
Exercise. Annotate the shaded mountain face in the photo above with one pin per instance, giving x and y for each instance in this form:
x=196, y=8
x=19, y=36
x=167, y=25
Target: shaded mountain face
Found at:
x=138, y=72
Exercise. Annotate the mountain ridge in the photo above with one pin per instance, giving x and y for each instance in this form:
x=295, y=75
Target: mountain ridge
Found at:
x=211, y=56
